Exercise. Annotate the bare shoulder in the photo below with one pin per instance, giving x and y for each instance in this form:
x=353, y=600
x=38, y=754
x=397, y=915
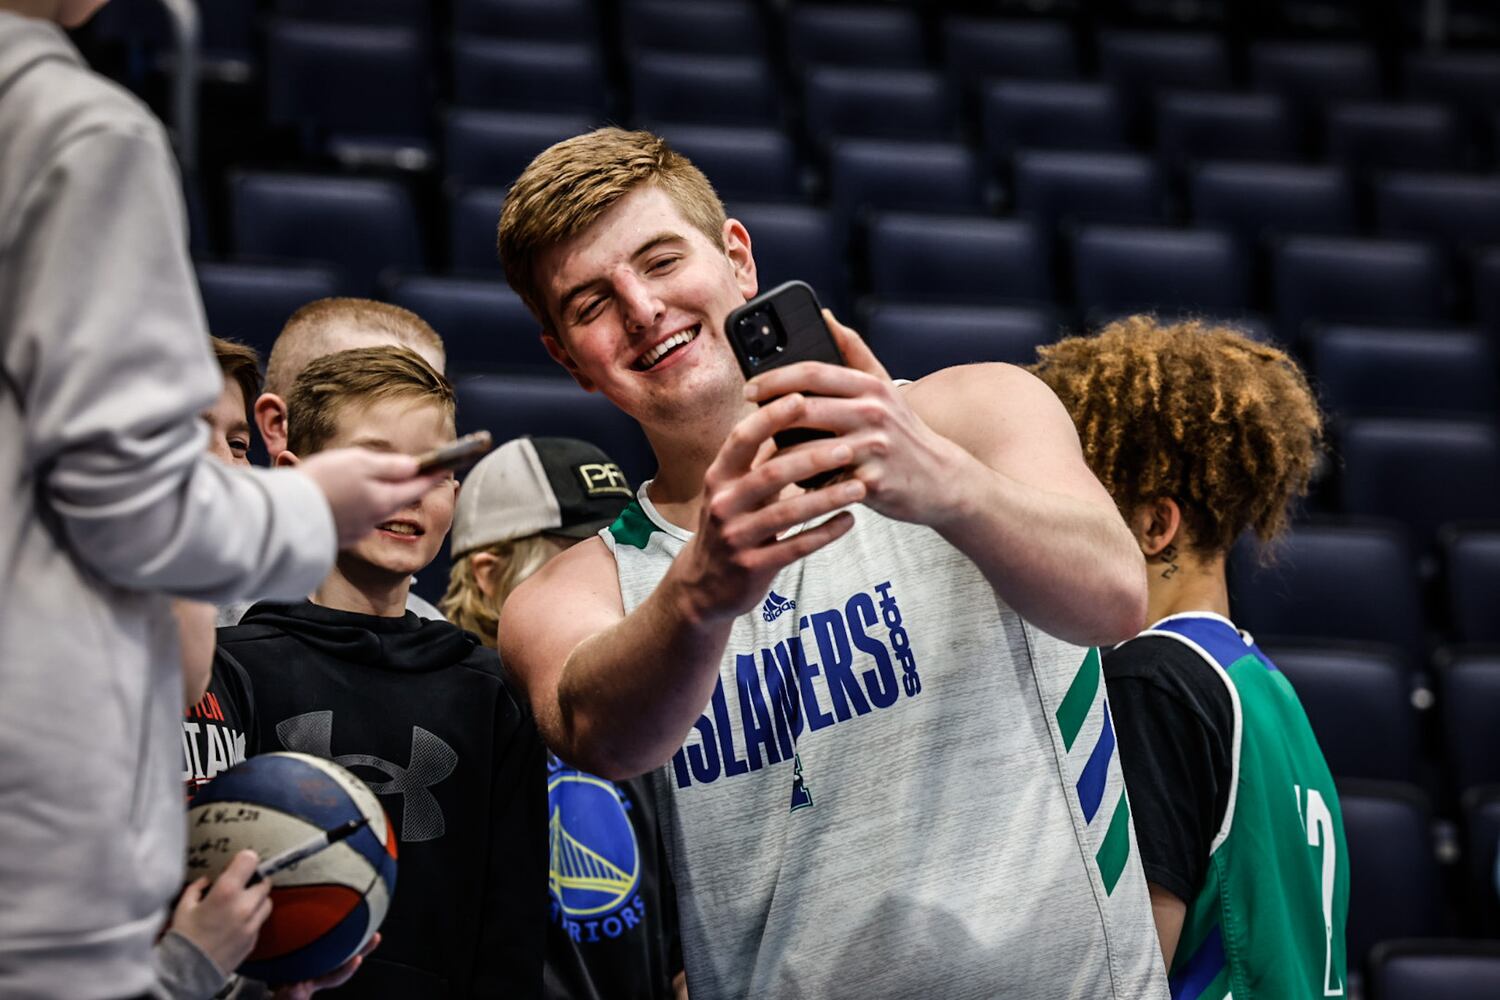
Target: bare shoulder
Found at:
x=987, y=408
x=568, y=600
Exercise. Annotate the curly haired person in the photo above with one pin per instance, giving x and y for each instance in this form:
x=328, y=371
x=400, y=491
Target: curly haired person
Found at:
x=1200, y=434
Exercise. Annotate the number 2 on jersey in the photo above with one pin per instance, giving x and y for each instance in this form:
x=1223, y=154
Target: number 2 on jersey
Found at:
x=1319, y=823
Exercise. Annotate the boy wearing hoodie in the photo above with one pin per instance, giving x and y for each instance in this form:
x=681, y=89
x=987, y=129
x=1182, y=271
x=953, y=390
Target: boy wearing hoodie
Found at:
x=419, y=709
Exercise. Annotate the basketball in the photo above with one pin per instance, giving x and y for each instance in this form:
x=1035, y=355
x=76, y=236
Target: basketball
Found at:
x=325, y=907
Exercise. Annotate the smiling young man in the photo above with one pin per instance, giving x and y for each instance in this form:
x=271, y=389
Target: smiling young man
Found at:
x=416, y=708
x=882, y=748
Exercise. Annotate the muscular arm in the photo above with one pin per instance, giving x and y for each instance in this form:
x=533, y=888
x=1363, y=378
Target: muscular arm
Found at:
x=1027, y=510
x=614, y=694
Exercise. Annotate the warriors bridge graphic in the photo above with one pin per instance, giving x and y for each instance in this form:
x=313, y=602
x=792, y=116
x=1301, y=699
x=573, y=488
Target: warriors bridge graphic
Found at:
x=575, y=867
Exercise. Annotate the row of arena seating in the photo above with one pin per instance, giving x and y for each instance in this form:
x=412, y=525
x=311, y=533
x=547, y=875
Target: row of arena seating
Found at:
x=357, y=90
x=911, y=221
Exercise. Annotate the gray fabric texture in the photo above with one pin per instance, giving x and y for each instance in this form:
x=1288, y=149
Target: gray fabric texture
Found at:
x=112, y=503
x=931, y=847
x=184, y=971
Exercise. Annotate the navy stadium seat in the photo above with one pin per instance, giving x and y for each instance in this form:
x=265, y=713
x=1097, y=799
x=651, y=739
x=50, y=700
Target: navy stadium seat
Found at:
x=796, y=242
x=884, y=37
x=473, y=218
x=976, y=49
x=1358, y=700
x=1471, y=557
x=1442, y=969
x=1486, y=285
x=361, y=226
x=1144, y=63
x=1054, y=187
x=707, y=90
x=511, y=405
x=1258, y=200
x=484, y=325
x=1481, y=808
x=541, y=20
x=493, y=147
x=527, y=75
x=741, y=162
x=351, y=90
x=1394, y=136
x=956, y=259
x=410, y=13
x=912, y=340
x=878, y=104
x=1168, y=271
x=1469, y=81
x=1471, y=717
x=1312, y=75
x=1460, y=211
x=1425, y=473
x=727, y=27
x=251, y=302
x=1036, y=114
x=884, y=174
x=1332, y=279
x=1371, y=372
x=1394, y=889
x=1191, y=127
x=1332, y=579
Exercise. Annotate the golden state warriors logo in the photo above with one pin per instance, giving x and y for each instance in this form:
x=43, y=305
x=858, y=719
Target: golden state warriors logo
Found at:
x=595, y=860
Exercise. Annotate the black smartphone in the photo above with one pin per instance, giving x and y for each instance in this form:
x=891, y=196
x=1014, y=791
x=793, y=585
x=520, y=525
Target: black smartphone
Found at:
x=456, y=455
x=782, y=327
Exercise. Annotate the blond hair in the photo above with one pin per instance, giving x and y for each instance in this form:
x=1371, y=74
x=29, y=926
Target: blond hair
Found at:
x=465, y=604
x=364, y=374
x=1202, y=414
x=574, y=182
x=310, y=332
x=241, y=365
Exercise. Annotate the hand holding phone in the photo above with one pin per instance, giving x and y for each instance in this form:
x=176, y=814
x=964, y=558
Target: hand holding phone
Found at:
x=783, y=327
x=460, y=453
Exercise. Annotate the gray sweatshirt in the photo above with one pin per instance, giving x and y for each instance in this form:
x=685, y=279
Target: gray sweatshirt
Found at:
x=110, y=503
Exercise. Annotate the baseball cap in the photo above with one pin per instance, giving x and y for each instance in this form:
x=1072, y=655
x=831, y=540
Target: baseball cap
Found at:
x=528, y=485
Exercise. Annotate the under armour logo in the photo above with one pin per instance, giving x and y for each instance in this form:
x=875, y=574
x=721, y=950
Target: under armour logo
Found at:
x=431, y=761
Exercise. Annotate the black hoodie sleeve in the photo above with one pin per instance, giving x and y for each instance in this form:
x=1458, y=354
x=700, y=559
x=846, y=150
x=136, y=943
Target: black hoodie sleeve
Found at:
x=513, y=930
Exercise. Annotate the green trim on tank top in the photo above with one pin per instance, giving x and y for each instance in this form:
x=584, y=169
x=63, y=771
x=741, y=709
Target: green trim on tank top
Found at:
x=632, y=527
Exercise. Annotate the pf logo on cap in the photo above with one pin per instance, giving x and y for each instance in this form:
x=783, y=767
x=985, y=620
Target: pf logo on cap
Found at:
x=603, y=478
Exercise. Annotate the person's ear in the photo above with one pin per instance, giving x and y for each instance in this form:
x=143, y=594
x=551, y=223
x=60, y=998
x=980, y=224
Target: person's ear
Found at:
x=483, y=564
x=270, y=420
x=559, y=353
x=737, y=249
x=1156, y=524
x=285, y=460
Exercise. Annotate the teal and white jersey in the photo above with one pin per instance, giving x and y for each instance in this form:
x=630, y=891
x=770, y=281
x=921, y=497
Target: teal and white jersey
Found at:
x=898, y=789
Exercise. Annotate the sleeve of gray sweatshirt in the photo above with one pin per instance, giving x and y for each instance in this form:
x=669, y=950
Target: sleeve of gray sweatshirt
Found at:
x=183, y=971
x=110, y=357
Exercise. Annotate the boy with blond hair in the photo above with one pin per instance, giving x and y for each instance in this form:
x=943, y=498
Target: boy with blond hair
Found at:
x=318, y=329
x=417, y=708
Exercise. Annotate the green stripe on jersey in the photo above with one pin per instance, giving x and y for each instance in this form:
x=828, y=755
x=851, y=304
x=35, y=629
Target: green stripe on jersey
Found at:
x=1115, y=850
x=1079, y=699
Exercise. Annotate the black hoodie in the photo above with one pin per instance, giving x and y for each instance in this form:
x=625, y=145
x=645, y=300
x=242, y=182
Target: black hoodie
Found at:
x=420, y=710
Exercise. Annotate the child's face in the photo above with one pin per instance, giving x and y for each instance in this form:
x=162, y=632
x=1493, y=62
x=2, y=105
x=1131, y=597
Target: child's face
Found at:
x=228, y=430
x=411, y=538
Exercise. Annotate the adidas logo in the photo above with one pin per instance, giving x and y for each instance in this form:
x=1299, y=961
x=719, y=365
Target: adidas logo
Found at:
x=776, y=606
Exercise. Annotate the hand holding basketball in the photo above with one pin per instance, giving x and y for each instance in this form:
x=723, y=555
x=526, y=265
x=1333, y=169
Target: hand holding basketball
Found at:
x=225, y=922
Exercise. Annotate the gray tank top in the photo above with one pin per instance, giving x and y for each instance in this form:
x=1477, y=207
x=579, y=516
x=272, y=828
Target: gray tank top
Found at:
x=898, y=789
